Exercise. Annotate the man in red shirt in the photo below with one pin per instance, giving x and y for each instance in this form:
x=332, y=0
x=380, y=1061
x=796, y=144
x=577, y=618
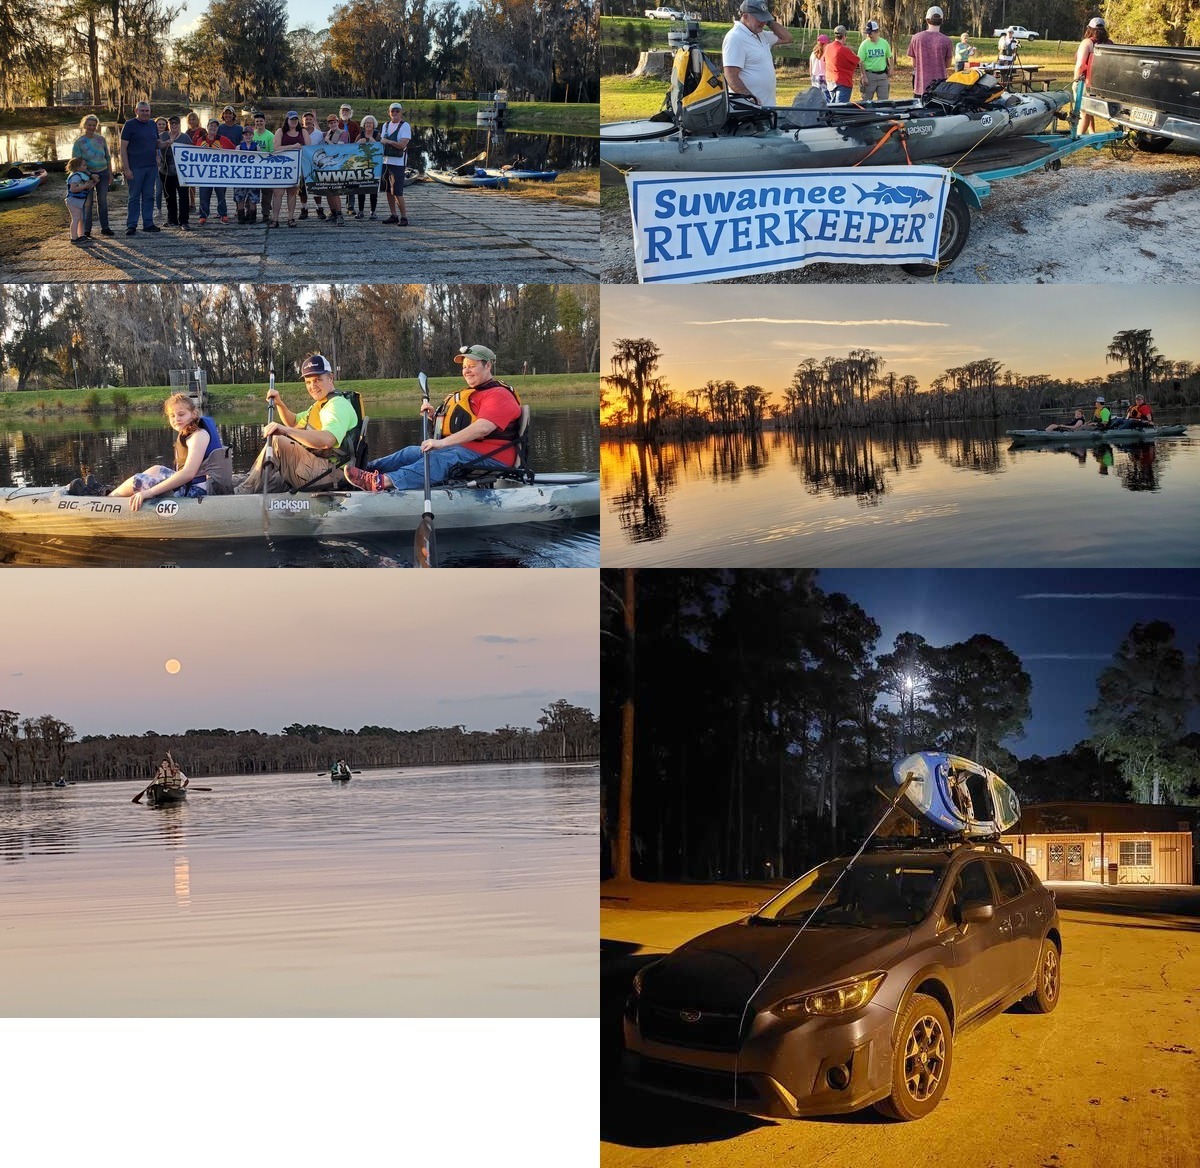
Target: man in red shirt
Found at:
x=477, y=426
x=213, y=140
x=841, y=65
x=1139, y=417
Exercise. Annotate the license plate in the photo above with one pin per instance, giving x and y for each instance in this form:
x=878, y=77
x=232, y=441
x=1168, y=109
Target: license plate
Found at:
x=1144, y=117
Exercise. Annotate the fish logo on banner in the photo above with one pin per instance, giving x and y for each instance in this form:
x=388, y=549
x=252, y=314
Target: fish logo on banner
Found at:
x=203, y=166
x=689, y=228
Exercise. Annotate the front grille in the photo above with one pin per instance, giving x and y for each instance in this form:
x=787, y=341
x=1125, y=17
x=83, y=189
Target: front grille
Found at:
x=695, y=1082
x=711, y=1031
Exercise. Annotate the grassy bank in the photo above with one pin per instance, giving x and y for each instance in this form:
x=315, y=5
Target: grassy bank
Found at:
x=383, y=396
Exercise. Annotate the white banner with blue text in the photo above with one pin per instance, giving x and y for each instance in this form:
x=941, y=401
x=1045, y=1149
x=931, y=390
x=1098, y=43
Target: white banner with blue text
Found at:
x=202, y=166
x=688, y=228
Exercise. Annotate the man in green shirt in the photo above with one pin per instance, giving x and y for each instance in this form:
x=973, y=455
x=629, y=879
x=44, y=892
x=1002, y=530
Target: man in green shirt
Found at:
x=876, y=56
x=308, y=447
x=1101, y=416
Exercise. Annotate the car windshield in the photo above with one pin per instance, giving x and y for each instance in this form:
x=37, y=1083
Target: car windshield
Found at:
x=871, y=895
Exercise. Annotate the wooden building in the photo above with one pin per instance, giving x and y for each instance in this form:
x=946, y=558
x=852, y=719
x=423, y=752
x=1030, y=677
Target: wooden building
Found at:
x=1108, y=843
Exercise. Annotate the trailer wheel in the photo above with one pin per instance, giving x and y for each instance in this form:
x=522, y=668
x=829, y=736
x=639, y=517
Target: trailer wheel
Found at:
x=956, y=226
x=1151, y=143
x=1053, y=165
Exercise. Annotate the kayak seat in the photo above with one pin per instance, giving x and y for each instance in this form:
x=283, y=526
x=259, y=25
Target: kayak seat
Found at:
x=517, y=474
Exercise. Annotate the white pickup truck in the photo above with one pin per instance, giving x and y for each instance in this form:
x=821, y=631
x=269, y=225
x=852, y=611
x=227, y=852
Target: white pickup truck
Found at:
x=670, y=14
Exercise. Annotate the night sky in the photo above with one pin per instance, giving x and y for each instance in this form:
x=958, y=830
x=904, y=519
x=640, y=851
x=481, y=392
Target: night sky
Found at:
x=1065, y=625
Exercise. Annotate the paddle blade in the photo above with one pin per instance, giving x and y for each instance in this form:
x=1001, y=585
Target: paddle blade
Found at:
x=425, y=544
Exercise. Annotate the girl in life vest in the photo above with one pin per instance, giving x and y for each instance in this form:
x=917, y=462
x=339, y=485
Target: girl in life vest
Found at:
x=197, y=442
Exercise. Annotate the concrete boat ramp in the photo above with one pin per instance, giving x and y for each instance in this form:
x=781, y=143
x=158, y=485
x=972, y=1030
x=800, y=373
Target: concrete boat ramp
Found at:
x=456, y=236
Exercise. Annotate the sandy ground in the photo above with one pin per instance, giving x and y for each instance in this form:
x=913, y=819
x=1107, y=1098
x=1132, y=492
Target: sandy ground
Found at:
x=1101, y=219
x=1111, y=1077
x=476, y=237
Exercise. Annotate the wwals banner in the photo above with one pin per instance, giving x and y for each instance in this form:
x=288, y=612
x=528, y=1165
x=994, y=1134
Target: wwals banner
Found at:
x=338, y=168
x=202, y=166
x=688, y=228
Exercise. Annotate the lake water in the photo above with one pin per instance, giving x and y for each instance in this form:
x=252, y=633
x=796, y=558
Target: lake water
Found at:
x=429, y=892
x=433, y=146
x=51, y=451
x=922, y=495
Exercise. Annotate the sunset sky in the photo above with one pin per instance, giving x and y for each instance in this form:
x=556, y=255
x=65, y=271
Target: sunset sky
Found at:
x=758, y=334
x=261, y=649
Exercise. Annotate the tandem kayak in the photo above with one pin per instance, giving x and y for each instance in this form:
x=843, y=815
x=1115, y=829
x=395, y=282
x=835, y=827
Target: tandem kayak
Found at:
x=51, y=511
x=1035, y=437
x=452, y=178
x=14, y=188
x=521, y=175
x=957, y=794
x=841, y=135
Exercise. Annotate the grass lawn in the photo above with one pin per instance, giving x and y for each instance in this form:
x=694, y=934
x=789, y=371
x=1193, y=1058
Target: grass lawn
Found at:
x=34, y=218
x=382, y=396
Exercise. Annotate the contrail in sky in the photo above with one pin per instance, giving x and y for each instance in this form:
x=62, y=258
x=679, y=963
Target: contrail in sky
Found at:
x=1105, y=596
x=825, y=323
x=1066, y=656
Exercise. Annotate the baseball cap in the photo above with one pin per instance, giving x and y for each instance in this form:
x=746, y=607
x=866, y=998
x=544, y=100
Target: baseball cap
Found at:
x=841, y=30
x=229, y=110
x=314, y=366
x=872, y=26
x=395, y=106
x=756, y=8
x=934, y=11
x=1100, y=400
x=475, y=353
x=1096, y=22
x=293, y=114
x=822, y=39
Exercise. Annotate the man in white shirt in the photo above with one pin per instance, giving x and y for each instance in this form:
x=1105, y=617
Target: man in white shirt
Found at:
x=395, y=136
x=746, y=52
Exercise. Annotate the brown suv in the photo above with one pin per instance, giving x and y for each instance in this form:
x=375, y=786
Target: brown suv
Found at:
x=849, y=987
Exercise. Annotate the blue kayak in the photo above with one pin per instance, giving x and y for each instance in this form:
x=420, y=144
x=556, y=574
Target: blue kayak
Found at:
x=14, y=188
x=956, y=794
x=522, y=175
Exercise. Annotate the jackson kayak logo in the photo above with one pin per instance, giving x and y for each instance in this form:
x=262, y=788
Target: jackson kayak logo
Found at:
x=288, y=505
x=170, y=508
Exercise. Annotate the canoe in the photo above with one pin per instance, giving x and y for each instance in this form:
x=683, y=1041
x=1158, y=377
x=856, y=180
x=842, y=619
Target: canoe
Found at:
x=14, y=188
x=521, y=175
x=165, y=794
x=989, y=807
x=1034, y=437
x=452, y=178
x=51, y=511
x=843, y=136
x=56, y=164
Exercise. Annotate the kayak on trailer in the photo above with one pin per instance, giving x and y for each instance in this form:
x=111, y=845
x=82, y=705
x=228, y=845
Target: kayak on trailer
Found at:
x=1033, y=437
x=452, y=178
x=308, y=514
x=14, y=188
x=957, y=794
x=521, y=175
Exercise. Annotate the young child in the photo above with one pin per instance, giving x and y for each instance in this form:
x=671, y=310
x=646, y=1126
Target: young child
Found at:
x=198, y=469
x=247, y=199
x=79, y=188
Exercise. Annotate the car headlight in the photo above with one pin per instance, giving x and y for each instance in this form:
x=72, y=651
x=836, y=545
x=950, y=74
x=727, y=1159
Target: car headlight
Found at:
x=839, y=998
x=640, y=977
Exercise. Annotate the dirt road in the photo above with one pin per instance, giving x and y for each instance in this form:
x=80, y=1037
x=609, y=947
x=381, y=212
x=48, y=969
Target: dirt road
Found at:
x=1098, y=220
x=475, y=237
x=1112, y=1077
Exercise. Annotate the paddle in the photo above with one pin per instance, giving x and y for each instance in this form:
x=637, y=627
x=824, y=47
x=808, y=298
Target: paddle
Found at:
x=268, y=454
x=321, y=774
x=424, y=544
x=480, y=157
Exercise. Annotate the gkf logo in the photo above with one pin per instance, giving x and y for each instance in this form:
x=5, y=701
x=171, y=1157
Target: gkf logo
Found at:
x=167, y=508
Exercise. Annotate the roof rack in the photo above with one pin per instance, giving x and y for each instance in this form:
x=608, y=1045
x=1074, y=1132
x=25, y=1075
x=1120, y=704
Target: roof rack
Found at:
x=946, y=842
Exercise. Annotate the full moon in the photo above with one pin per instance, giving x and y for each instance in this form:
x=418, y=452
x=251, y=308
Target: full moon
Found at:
x=172, y=666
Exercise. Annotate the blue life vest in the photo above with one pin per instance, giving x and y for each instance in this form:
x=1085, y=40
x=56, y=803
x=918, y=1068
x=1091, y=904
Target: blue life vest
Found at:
x=214, y=443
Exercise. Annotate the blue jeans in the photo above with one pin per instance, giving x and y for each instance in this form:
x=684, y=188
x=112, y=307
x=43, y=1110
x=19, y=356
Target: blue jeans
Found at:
x=406, y=468
x=98, y=199
x=206, y=201
x=841, y=93
x=141, y=191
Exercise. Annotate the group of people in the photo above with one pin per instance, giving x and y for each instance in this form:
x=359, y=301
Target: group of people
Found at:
x=477, y=427
x=148, y=164
x=834, y=67
x=1139, y=416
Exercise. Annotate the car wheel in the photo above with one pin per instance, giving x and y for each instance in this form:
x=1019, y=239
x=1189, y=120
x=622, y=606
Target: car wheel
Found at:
x=921, y=1060
x=1045, y=997
x=1151, y=143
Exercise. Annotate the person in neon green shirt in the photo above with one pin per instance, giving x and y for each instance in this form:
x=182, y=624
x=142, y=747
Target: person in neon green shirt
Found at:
x=1101, y=416
x=876, y=56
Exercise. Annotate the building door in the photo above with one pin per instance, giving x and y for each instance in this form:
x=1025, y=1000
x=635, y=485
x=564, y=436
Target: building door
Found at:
x=1074, y=862
x=1056, y=863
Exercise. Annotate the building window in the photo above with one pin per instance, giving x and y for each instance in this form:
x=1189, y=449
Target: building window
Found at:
x=1031, y=854
x=1135, y=853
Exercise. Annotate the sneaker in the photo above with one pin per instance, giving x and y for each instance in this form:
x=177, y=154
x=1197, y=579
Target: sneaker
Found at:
x=224, y=218
x=77, y=242
x=358, y=214
x=372, y=215
x=403, y=220
x=391, y=219
x=131, y=231
x=367, y=480
x=107, y=231
x=303, y=212
x=341, y=222
x=172, y=222
x=184, y=227
x=152, y=227
x=202, y=220
x=320, y=213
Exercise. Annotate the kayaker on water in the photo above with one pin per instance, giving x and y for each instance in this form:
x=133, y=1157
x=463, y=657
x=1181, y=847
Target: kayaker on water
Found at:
x=1101, y=416
x=746, y=52
x=476, y=426
x=1077, y=424
x=1138, y=417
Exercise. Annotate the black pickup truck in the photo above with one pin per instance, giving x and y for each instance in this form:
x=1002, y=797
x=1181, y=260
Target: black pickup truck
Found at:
x=1150, y=89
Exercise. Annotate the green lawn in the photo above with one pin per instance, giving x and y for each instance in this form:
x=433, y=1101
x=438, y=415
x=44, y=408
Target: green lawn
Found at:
x=393, y=395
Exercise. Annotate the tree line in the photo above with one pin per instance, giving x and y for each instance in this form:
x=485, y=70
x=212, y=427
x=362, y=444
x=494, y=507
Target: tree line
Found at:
x=43, y=749
x=1145, y=22
x=56, y=336
x=749, y=721
x=854, y=390
x=113, y=52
